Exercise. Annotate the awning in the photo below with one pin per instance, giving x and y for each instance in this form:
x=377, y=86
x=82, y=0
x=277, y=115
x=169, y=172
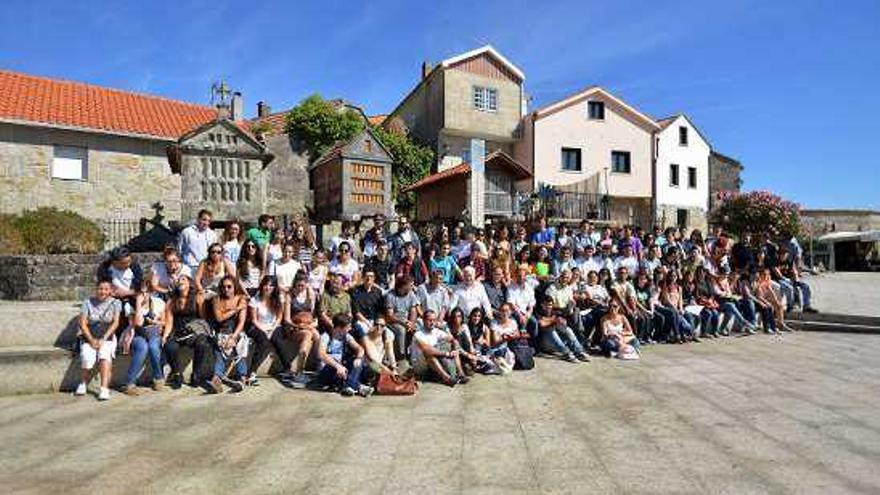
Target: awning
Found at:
x=863, y=236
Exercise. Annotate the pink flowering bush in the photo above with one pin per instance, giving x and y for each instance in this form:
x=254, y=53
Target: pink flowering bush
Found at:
x=756, y=212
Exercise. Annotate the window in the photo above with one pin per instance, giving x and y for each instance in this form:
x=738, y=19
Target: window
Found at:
x=225, y=180
x=485, y=99
x=571, y=159
x=692, y=177
x=70, y=163
x=673, y=175
x=681, y=218
x=683, y=136
x=596, y=110
x=620, y=162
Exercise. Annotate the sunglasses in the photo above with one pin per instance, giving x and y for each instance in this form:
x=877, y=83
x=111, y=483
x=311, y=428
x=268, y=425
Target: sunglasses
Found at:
x=228, y=286
x=214, y=251
x=251, y=246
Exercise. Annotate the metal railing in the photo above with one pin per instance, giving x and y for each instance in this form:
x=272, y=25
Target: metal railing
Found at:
x=118, y=231
x=577, y=205
x=499, y=203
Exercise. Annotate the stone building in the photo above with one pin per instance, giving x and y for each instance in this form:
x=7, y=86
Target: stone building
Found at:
x=724, y=176
x=107, y=153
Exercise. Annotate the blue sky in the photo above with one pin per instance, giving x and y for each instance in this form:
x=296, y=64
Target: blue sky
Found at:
x=791, y=88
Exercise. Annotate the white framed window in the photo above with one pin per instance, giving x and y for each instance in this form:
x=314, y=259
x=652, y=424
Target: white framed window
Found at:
x=70, y=163
x=485, y=99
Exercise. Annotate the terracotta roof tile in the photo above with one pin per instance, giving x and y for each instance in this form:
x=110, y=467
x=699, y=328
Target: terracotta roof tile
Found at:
x=43, y=100
x=376, y=120
x=449, y=173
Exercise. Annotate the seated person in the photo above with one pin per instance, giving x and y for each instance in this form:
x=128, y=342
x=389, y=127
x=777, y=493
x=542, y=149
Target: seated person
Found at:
x=378, y=344
x=166, y=274
x=501, y=331
x=302, y=331
x=434, y=353
x=229, y=312
x=617, y=334
x=401, y=313
x=343, y=360
x=98, y=321
x=554, y=334
x=145, y=339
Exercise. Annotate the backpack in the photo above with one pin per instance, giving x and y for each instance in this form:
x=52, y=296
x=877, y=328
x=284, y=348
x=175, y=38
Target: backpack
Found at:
x=524, y=355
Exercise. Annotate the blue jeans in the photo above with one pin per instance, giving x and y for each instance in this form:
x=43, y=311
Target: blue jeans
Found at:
x=561, y=339
x=709, y=319
x=613, y=345
x=146, y=342
x=328, y=376
x=220, y=364
x=788, y=291
x=730, y=308
x=747, y=307
x=803, y=294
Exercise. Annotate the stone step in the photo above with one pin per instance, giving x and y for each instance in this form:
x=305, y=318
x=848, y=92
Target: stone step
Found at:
x=831, y=326
x=38, y=323
x=41, y=369
x=834, y=318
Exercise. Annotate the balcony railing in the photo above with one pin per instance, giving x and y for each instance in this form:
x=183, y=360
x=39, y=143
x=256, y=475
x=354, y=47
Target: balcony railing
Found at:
x=499, y=203
x=577, y=205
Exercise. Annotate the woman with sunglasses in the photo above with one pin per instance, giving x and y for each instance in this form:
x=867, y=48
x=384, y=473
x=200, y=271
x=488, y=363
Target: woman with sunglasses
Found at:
x=185, y=326
x=250, y=267
x=378, y=344
x=266, y=312
x=346, y=266
x=212, y=270
x=229, y=315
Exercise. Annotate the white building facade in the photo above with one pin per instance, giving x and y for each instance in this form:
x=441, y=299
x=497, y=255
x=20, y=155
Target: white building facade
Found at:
x=681, y=175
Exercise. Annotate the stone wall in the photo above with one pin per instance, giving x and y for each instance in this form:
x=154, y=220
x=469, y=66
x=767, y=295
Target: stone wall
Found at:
x=724, y=175
x=287, y=177
x=56, y=277
x=667, y=216
x=124, y=176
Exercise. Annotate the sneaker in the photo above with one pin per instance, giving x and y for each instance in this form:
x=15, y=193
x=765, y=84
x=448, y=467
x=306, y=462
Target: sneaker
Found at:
x=583, y=357
x=252, y=380
x=300, y=381
x=158, y=385
x=450, y=382
x=365, y=391
x=175, y=381
x=347, y=391
x=571, y=358
x=463, y=380
x=131, y=390
x=81, y=389
x=214, y=385
x=104, y=394
x=234, y=385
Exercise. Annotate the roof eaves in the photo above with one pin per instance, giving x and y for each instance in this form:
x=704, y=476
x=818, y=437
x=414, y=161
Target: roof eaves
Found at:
x=486, y=49
x=90, y=130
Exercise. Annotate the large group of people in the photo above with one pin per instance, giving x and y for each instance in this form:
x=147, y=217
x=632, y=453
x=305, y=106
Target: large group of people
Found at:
x=442, y=305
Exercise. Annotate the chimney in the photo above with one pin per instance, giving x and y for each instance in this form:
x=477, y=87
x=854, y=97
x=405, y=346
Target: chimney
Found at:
x=237, y=106
x=263, y=109
x=426, y=69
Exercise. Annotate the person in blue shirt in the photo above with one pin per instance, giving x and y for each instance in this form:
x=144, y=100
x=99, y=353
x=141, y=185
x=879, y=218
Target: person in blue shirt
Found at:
x=342, y=359
x=544, y=235
x=445, y=263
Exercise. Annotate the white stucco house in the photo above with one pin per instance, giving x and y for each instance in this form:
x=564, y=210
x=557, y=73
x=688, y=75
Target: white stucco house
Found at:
x=592, y=145
x=682, y=174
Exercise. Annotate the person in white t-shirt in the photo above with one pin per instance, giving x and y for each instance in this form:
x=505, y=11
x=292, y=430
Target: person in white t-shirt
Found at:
x=345, y=266
x=471, y=294
x=434, y=353
x=166, y=274
x=287, y=268
x=627, y=259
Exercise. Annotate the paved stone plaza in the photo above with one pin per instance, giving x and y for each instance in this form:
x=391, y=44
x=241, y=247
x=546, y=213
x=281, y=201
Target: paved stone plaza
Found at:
x=792, y=414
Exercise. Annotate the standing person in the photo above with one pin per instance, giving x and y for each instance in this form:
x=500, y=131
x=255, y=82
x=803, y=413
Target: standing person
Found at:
x=250, y=267
x=544, y=236
x=146, y=340
x=434, y=353
x=232, y=239
x=370, y=242
x=401, y=312
x=273, y=252
x=411, y=265
x=405, y=234
x=343, y=360
x=212, y=270
x=195, y=239
x=229, y=315
x=98, y=321
x=287, y=268
x=380, y=264
x=445, y=262
x=262, y=233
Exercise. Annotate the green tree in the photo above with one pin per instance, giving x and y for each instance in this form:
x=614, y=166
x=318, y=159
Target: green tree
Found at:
x=320, y=124
x=756, y=212
x=411, y=162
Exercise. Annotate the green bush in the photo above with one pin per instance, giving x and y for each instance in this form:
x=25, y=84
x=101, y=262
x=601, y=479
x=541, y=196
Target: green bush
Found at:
x=11, y=241
x=53, y=231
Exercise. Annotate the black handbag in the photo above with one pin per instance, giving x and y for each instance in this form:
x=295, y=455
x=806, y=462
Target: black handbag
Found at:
x=523, y=354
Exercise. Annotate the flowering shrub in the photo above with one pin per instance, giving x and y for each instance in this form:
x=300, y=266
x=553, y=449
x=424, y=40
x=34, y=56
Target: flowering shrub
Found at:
x=756, y=212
